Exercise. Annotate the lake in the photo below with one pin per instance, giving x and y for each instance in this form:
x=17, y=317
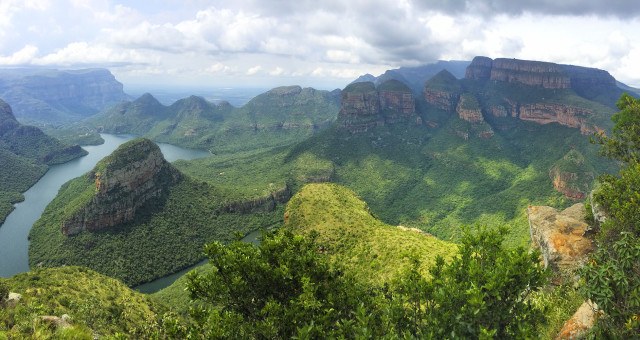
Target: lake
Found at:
x=15, y=230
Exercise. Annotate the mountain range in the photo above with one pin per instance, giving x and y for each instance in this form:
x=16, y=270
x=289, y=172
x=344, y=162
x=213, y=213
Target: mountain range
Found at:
x=428, y=149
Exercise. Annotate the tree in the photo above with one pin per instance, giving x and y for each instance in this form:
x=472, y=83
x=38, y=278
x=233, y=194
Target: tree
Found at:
x=612, y=277
x=279, y=289
x=482, y=292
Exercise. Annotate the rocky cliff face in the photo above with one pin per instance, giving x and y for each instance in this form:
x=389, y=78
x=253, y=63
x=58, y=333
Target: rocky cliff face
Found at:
x=587, y=82
x=443, y=91
x=364, y=106
x=469, y=110
x=554, y=113
x=563, y=239
x=124, y=181
x=52, y=95
x=533, y=73
x=571, y=176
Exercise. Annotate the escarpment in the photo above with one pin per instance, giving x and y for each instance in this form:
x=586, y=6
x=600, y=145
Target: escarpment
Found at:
x=135, y=174
x=528, y=90
x=533, y=73
x=365, y=106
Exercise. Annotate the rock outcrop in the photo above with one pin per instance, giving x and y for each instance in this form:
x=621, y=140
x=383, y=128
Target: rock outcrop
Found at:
x=580, y=323
x=469, y=110
x=562, y=238
x=572, y=176
x=443, y=91
x=555, y=113
x=533, y=73
x=590, y=83
x=122, y=182
x=364, y=106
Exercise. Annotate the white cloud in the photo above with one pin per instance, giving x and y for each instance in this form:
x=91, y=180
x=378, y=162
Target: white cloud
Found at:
x=332, y=39
x=277, y=71
x=22, y=57
x=253, y=70
x=82, y=53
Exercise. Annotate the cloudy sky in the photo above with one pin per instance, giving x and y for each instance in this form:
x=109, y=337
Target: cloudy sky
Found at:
x=324, y=44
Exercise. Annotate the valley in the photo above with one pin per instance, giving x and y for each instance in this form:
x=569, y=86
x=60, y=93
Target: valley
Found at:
x=378, y=178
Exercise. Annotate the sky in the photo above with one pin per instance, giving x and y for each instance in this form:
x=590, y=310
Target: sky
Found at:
x=322, y=44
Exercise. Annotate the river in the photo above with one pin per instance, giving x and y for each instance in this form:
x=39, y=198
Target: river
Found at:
x=156, y=285
x=15, y=230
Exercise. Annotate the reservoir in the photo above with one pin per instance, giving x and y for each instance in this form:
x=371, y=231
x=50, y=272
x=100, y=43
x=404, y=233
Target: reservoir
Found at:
x=15, y=230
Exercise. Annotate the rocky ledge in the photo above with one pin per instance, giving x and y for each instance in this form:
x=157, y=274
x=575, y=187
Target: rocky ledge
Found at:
x=562, y=237
x=119, y=185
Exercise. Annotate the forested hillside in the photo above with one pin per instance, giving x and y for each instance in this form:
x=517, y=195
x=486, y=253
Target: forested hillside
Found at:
x=26, y=153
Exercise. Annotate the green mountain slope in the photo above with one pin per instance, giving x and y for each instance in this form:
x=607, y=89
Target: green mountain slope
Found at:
x=281, y=116
x=481, y=152
x=136, y=218
x=348, y=234
x=26, y=152
x=351, y=235
x=97, y=306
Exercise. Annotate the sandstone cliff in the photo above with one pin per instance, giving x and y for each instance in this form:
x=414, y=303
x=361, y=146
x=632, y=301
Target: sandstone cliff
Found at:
x=134, y=174
x=538, y=82
x=572, y=176
x=443, y=91
x=364, y=106
x=563, y=239
x=534, y=73
x=469, y=109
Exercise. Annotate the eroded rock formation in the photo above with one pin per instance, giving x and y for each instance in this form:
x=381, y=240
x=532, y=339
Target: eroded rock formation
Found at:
x=122, y=182
x=572, y=176
x=580, y=323
x=364, y=106
x=562, y=238
x=443, y=91
x=534, y=73
x=469, y=110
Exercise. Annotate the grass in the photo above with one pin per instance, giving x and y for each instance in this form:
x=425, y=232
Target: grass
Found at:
x=350, y=235
x=96, y=304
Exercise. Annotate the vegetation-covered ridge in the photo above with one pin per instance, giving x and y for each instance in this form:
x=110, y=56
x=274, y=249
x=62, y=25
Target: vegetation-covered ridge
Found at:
x=96, y=306
x=350, y=235
x=136, y=218
x=26, y=152
x=281, y=116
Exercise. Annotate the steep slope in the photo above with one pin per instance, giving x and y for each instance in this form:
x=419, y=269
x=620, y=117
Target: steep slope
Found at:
x=281, y=116
x=364, y=106
x=95, y=306
x=350, y=234
x=347, y=233
x=136, y=218
x=25, y=152
x=56, y=96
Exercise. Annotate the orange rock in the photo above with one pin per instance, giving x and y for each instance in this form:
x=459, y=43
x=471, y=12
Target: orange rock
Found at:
x=581, y=321
x=562, y=239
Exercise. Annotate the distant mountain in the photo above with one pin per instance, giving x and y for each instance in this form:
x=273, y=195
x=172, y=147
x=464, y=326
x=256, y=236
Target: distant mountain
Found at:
x=414, y=77
x=478, y=149
x=45, y=97
x=25, y=154
x=280, y=116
